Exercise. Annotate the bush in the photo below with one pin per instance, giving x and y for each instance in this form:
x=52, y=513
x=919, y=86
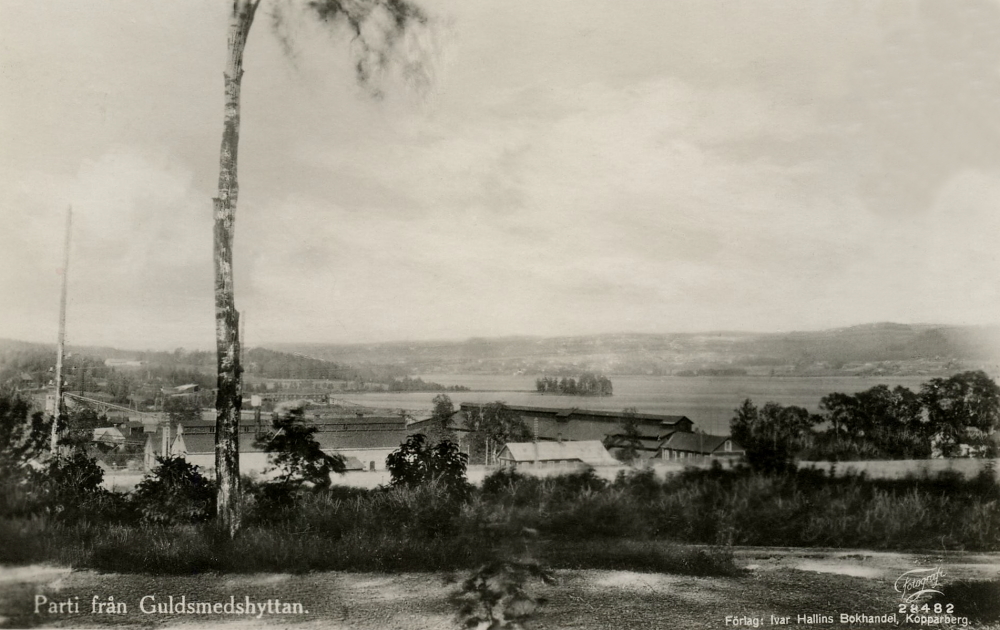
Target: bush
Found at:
x=297, y=455
x=501, y=482
x=574, y=484
x=175, y=493
x=416, y=463
x=608, y=514
x=69, y=487
x=641, y=484
x=23, y=438
x=496, y=596
x=512, y=488
x=430, y=510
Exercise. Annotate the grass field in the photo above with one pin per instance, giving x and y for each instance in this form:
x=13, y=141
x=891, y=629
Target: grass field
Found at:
x=708, y=401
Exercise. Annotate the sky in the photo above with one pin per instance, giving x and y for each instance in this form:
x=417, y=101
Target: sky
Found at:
x=569, y=167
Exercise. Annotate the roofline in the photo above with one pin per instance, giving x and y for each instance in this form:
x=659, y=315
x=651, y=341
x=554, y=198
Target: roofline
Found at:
x=589, y=412
x=325, y=450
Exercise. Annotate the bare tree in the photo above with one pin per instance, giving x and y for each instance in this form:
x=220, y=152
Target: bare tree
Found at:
x=377, y=27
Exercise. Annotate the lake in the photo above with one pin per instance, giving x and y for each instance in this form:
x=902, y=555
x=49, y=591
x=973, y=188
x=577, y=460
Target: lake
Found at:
x=708, y=401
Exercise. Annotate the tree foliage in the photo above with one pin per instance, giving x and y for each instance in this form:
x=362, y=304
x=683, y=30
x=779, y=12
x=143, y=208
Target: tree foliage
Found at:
x=876, y=423
x=76, y=428
x=417, y=462
x=586, y=384
x=174, y=492
x=951, y=416
x=24, y=436
x=962, y=409
x=440, y=429
x=296, y=455
x=631, y=438
x=70, y=484
x=493, y=425
x=771, y=435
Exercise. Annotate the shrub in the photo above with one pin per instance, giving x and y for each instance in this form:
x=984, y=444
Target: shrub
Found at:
x=430, y=510
x=771, y=435
x=296, y=454
x=496, y=596
x=607, y=514
x=512, y=488
x=573, y=484
x=415, y=463
x=70, y=486
x=641, y=483
x=175, y=493
x=23, y=438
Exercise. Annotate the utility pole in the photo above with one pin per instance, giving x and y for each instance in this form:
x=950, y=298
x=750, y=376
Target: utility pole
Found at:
x=534, y=438
x=61, y=346
x=243, y=335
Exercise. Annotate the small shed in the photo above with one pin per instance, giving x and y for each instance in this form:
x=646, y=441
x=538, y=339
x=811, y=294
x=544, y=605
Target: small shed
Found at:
x=550, y=454
x=353, y=463
x=684, y=445
x=108, y=436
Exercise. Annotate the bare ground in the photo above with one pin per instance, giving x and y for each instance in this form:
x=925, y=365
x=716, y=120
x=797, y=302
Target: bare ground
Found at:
x=778, y=582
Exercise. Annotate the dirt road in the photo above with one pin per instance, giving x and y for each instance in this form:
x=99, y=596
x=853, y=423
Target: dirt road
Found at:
x=805, y=588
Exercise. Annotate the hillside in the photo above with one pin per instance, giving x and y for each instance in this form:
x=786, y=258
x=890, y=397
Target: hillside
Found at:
x=870, y=348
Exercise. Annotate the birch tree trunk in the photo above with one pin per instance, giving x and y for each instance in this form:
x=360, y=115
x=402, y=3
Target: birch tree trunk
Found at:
x=228, y=400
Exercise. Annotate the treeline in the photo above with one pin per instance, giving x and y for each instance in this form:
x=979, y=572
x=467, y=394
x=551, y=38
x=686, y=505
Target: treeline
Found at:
x=957, y=416
x=586, y=384
x=407, y=384
x=31, y=366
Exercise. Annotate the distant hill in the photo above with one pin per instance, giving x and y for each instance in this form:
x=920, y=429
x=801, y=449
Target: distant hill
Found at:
x=878, y=348
x=25, y=365
x=883, y=348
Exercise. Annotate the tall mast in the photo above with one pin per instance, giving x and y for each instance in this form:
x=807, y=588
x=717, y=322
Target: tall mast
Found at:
x=60, y=348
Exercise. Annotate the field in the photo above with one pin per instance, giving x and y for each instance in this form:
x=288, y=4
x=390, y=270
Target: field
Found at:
x=708, y=401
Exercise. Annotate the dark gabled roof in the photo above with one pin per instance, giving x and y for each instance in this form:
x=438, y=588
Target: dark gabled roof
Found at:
x=422, y=426
x=328, y=441
x=697, y=442
x=205, y=442
x=355, y=423
x=347, y=440
x=613, y=416
x=649, y=443
x=321, y=423
x=648, y=432
x=575, y=424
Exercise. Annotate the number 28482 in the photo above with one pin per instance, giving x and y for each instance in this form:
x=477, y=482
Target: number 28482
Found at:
x=926, y=608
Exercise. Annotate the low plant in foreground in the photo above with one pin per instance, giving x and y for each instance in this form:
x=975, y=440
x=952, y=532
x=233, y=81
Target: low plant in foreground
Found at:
x=497, y=595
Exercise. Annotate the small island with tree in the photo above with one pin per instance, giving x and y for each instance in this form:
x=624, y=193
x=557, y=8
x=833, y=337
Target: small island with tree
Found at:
x=587, y=384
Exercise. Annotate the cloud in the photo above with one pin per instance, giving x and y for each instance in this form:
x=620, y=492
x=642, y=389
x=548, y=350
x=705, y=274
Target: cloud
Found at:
x=140, y=259
x=576, y=168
